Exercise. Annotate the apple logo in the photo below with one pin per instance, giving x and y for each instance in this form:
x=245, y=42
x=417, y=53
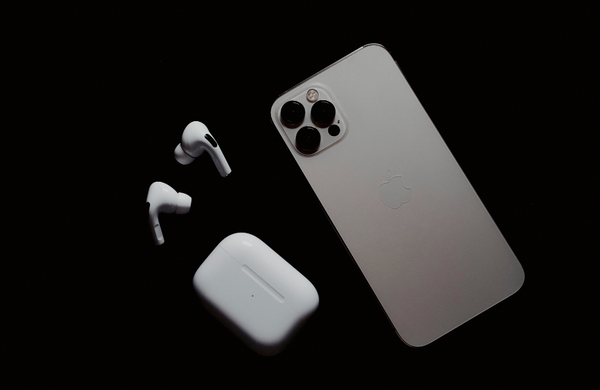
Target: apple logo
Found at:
x=392, y=192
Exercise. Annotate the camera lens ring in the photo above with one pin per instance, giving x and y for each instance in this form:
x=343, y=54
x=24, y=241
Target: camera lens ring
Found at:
x=308, y=140
x=292, y=114
x=322, y=113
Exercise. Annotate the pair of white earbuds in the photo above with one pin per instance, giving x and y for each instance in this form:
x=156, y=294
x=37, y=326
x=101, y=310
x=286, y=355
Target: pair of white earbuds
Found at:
x=162, y=198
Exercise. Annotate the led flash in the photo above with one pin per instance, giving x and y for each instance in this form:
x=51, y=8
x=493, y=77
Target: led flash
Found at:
x=312, y=95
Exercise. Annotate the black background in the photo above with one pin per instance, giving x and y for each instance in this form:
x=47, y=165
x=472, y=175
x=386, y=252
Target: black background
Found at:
x=99, y=99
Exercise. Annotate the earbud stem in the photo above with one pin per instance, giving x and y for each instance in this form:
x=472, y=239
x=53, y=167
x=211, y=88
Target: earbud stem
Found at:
x=157, y=234
x=220, y=162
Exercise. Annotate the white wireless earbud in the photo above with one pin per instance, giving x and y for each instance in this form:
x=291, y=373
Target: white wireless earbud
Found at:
x=195, y=140
x=162, y=198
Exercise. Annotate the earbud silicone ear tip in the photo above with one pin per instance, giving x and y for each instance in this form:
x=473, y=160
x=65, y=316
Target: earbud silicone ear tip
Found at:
x=182, y=157
x=184, y=203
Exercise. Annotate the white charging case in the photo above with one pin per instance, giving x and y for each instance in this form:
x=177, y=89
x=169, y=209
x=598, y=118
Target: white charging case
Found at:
x=253, y=291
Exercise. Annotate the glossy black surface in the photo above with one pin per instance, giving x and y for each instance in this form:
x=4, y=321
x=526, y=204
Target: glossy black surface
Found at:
x=212, y=141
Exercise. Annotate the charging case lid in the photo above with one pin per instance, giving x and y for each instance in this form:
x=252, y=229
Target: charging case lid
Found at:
x=255, y=292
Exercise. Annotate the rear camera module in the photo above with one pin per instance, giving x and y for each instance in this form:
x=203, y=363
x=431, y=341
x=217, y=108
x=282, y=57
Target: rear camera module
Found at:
x=292, y=114
x=323, y=113
x=311, y=118
x=308, y=140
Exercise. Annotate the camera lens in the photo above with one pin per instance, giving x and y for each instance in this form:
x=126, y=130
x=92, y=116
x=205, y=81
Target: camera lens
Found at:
x=308, y=140
x=323, y=113
x=292, y=113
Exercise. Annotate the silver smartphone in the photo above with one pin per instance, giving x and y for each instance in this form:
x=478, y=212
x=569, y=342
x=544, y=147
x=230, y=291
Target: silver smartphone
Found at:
x=404, y=209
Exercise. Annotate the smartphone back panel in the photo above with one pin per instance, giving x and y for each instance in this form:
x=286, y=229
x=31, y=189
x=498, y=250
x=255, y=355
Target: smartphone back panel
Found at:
x=398, y=199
